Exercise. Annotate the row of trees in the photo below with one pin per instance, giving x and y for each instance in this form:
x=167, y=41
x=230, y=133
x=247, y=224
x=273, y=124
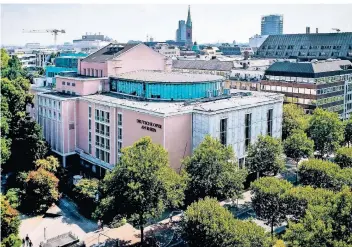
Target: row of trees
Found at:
x=323, y=127
x=143, y=185
x=22, y=141
x=316, y=216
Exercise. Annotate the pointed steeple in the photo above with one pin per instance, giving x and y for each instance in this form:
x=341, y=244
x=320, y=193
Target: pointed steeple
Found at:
x=189, y=21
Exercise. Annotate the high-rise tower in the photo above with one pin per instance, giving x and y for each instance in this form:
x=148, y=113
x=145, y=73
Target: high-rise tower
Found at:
x=189, y=42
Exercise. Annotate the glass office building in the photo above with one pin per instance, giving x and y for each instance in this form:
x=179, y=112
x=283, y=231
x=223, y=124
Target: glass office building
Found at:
x=272, y=25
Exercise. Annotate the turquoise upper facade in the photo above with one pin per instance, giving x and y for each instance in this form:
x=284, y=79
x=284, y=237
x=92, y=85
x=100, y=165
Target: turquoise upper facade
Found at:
x=166, y=90
x=66, y=62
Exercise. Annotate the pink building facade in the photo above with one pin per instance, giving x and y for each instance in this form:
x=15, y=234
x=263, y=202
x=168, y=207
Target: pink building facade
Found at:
x=123, y=93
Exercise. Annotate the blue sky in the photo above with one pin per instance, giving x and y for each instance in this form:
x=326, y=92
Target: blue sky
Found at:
x=211, y=23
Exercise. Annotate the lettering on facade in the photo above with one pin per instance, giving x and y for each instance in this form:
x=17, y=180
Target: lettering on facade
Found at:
x=149, y=125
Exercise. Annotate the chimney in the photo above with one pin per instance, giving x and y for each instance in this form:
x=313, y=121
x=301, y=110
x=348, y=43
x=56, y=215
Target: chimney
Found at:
x=307, y=30
x=316, y=30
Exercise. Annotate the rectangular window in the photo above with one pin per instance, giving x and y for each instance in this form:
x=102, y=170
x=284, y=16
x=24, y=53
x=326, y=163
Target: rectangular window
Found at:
x=119, y=147
x=63, y=83
x=270, y=122
x=96, y=114
x=107, y=145
x=119, y=134
x=247, y=130
x=90, y=136
x=88, y=74
x=58, y=105
x=101, y=73
x=97, y=153
x=107, y=130
x=90, y=148
x=89, y=111
x=102, y=116
x=107, y=117
x=92, y=72
x=90, y=124
x=102, y=129
x=96, y=73
x=96, y=128
x=223, y=131
x=68, y=84
x=97, y=141
x=73, y=84
x=102, y=142
x=84, y=72
x=107, y=157
x=119, y=119
x=59, y=116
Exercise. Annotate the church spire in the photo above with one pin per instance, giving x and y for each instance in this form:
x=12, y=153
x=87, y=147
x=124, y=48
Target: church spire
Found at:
x=189, y=21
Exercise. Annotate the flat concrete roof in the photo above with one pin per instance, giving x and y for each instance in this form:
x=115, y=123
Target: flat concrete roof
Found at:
x=174, y=108
x=171, y=77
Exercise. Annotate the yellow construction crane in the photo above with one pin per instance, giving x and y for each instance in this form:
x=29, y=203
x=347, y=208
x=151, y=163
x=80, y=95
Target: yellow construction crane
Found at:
x=55, y=32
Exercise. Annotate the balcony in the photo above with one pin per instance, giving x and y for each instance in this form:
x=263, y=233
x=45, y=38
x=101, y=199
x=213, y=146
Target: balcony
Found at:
x=93, y=160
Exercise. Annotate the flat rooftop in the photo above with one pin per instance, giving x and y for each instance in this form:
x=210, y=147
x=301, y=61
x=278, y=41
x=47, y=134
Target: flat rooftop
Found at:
x=171, y=108
x=151, y=76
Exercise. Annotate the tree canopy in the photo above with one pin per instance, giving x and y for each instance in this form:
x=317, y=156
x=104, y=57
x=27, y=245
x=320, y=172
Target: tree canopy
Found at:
x=267, y=200
x=265, y=156
x=324, y=174
x=205, y=222
x=19, y=134
x=298, y=146
x=326, y=130
x=324, y=224
x=213, y=171
x=85, y=192
x=348, y=131
x=294, y=118
x=297, y=199
x=10, y=223
x=41, y=190
x=28, y=144
x=50, y=164
x=141, y=186
x=344, y=157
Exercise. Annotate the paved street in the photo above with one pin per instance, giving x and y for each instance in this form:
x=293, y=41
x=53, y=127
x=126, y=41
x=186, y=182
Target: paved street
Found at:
x=71, y=220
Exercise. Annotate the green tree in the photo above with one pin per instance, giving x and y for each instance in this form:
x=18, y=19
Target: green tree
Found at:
x=344, y=157
x=50, y=164
x=10, y=223
x=267, y=200
x=324, y=225
x=319, y=174
x=298, y=146
x=294, y=118
x=41, y=190
x=205, y=222
x=297, y=199
x=213, y=172
x=13, y=196
x=326, y=130
x=139, y=187
x=348, y=131
x=28, y=144
x=5, y=150
x=4, y=60
x=265, y=156
x=85, y=192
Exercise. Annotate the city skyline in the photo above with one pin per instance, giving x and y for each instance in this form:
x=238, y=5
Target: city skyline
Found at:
x=211, y=23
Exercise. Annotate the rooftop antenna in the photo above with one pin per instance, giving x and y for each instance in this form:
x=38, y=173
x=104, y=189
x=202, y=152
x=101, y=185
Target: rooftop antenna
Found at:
x=337, y=30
